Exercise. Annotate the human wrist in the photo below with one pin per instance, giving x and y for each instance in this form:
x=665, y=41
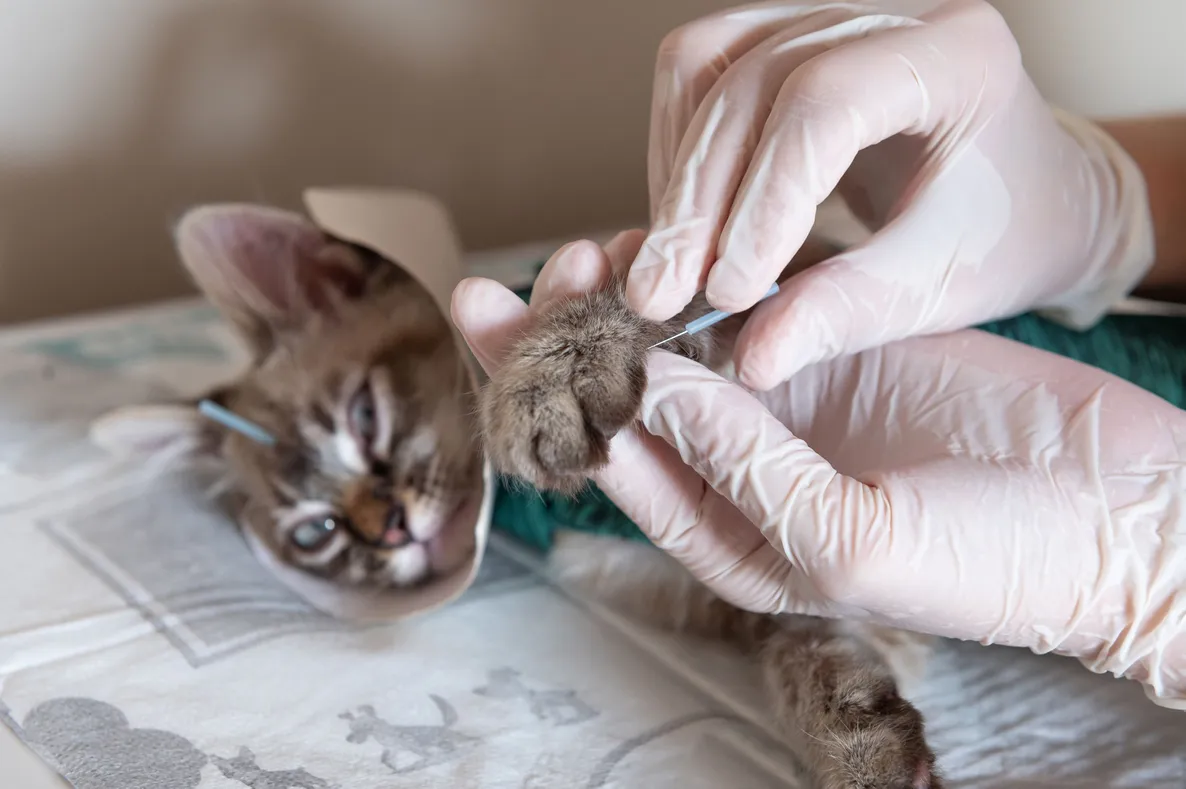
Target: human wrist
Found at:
x=1123, y=246
x=1158, y=146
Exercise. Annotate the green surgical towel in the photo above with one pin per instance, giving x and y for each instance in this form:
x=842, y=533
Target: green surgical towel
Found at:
x=1148, y=351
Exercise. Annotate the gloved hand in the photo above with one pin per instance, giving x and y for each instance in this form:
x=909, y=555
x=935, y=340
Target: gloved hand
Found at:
x=960, y=485
x=984, y=202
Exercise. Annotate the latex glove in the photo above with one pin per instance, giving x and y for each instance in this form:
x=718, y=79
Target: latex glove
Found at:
x=963, y=485
x=984, y=202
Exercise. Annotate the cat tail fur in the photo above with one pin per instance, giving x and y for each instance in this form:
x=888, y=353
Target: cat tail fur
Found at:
x=834, y=685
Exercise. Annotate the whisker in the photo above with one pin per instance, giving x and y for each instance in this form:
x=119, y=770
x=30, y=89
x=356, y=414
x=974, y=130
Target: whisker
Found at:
x=812, y=736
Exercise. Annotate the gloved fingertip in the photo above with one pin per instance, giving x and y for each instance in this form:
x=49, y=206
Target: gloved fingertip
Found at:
x=730, y=299
x=761, y=358
x=466, y=294
x=623, y=248
x=733, y=288
x=487, y=315
x=589, y=265
x=646, y=295
x=469, y=292
x=758, y=371
x=577, y=267
x=580, y=252
x=672, y=378
x=755, y=377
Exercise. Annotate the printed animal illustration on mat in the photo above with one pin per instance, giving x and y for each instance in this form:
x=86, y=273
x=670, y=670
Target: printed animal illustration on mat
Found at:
x=243, y=768
x=92, y=744
x=558, y=707
x=407, y=749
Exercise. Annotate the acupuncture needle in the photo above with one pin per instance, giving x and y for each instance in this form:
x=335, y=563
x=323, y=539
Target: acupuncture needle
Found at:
x=711, y=319
x=231, y=420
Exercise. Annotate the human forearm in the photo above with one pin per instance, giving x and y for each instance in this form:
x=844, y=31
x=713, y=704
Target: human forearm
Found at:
x=1158, y=146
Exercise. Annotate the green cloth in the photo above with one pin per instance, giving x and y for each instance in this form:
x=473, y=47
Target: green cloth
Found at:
x=1147, y=351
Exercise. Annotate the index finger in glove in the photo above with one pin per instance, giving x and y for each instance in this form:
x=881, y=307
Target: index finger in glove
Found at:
x=716, y=150
x=905, y=79
x=824, y=523
x=575, y=268
x=690, y=61
x=680, y=514
x=747, y=178
x=490, y=317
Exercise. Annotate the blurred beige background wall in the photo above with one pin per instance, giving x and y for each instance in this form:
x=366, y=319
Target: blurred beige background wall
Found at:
x=528, y=116
x=1104, y=58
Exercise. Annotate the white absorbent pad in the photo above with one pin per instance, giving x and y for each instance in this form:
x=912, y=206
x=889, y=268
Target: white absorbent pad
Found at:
x=142, y=647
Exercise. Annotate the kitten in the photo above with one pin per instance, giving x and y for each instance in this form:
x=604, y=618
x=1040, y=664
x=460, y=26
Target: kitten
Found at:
x=355, y=373
x=567, y=387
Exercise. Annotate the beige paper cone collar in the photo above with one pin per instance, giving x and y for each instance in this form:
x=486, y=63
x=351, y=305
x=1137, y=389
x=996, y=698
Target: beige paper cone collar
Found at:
x=415, y=232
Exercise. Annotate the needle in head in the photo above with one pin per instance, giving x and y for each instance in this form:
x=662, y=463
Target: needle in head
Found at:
x=232, y=421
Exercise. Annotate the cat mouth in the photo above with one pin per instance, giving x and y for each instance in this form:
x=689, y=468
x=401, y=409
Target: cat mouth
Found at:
x=425, y=525
x=393, y=539
x=453, y=543
x=441, y=547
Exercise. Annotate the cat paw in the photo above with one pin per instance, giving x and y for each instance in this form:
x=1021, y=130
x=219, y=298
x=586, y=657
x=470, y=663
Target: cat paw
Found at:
x=877, y=743
x=565, y=390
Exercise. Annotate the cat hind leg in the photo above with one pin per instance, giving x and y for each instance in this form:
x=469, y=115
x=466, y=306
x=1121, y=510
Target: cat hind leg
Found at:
x=834, y=685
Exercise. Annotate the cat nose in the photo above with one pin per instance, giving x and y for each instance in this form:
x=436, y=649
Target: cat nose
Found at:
x=382, y=488
x=394, y=532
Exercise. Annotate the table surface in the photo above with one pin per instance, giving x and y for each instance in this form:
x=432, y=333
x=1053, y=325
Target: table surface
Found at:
x=19, y=767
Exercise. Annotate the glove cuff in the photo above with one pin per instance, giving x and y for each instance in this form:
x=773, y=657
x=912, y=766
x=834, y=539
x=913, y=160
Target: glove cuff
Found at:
x=1127, y=248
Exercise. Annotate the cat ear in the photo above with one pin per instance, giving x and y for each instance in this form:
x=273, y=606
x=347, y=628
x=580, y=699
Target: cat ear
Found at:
x=267, y=270
x=150, y=431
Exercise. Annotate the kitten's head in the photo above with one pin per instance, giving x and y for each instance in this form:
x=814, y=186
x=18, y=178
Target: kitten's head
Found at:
x=356, y=375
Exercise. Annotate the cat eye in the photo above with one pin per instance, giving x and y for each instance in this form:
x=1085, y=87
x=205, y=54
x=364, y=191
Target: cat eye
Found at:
x=363, y=419
x=315, y=533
